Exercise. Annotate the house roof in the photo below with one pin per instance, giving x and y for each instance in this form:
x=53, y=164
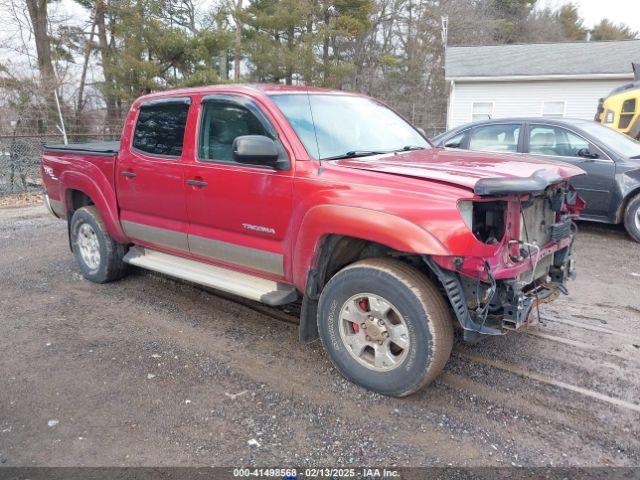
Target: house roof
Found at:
x=595, y=59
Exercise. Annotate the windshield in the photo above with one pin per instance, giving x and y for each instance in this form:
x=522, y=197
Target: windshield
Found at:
x=346, y=125
x=622, y=144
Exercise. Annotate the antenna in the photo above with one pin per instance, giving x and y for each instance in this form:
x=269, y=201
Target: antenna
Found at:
x=444, y=33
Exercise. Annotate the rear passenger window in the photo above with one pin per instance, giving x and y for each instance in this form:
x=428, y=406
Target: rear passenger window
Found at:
x=160, y=128
x=495, y=138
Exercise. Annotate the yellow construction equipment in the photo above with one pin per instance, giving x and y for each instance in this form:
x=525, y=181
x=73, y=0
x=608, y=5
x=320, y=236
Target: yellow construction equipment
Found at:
x=621, y=109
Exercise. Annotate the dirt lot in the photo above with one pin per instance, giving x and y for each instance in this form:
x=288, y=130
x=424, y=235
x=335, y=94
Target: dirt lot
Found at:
x=150, y=371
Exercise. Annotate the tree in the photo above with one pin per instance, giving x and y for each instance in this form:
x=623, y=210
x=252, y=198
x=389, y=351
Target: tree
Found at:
x=105, y=18
x=307, y=40
x=391, y=49
x=150, y=45
x=228, y=17
x=39, y=24
x=542, y=26
x=276, y=38
x=510, y=17
x=340, y=25
x=572, y=25
x=607, y=30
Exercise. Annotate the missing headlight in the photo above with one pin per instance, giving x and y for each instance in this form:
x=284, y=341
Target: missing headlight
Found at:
x=485, y=219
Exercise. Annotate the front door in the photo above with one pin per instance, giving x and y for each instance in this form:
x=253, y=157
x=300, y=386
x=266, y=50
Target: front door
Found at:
x=557, y=143
x=150, y=177
x=239, y=214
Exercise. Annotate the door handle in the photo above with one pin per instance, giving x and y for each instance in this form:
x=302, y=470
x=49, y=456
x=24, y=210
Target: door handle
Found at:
x=196, y=183
x=129, y=174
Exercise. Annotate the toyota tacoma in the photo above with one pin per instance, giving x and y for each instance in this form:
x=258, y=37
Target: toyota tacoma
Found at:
x=279, y=193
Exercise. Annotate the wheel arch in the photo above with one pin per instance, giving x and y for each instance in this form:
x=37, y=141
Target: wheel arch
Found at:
x=325, y=222
x=629, y=195
x=333, y=237
x=79, y=190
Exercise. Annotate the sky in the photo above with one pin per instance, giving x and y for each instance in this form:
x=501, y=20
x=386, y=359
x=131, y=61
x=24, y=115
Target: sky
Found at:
x=592, y=11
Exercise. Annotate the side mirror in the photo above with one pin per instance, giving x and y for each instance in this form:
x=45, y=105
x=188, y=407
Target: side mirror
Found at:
x=256, y=150
x=586, y=153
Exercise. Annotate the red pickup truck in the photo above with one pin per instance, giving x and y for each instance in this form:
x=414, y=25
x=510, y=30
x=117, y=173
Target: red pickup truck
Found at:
x=275, y=193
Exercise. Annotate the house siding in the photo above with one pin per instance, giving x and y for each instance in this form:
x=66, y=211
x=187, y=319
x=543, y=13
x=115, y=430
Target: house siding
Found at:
x=524, y=99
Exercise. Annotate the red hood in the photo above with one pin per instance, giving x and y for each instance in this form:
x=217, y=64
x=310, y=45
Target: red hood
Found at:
x=459, y=167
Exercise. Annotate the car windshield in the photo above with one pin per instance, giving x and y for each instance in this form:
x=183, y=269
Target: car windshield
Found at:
x=622, y=144
x=341, y=126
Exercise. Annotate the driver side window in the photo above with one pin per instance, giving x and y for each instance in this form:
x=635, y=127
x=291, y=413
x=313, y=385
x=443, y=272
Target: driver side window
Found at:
x=221, y=123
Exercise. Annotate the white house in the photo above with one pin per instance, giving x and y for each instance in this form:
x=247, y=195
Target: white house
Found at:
x=542, y=79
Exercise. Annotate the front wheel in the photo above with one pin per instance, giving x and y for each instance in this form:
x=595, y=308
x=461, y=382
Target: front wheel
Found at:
x=97, y=254
x=632, y=218
x=385, y=326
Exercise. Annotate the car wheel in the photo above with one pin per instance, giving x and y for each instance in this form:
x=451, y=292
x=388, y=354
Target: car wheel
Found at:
x=385, y=326
x=98, y=255
x=632, y=218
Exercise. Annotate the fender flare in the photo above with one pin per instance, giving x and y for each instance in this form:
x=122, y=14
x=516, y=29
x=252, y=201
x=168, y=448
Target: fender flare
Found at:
x=629, y=187
x=367, y=224
x=101, y=192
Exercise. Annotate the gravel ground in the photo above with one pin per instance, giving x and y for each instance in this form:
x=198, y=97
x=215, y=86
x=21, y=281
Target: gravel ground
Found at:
x=151, y=371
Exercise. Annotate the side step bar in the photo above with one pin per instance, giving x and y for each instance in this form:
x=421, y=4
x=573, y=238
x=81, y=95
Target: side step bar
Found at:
x=241, y=284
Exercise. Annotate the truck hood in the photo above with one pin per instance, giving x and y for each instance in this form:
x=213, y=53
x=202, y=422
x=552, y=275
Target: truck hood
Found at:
x=484, y=173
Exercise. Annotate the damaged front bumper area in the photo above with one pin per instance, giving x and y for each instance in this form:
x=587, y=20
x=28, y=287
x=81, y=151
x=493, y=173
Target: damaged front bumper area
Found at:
x=520, y=255
x=497, y=306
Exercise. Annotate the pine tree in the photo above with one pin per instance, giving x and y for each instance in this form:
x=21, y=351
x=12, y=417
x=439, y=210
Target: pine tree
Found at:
x=607, y=30
x=572, y=25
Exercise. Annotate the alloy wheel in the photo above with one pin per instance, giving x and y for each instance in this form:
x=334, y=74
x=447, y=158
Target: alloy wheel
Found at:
x=89, y=246
x=374, y=332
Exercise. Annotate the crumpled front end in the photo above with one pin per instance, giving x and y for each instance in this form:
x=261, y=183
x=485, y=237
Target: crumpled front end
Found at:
x=530, y=238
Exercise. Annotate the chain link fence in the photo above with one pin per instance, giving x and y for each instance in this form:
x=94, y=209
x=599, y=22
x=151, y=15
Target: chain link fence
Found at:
x=19, y=164
x=20, y=157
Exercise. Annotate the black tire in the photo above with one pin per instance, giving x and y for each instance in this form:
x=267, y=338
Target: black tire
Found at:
x=419, y=303
x=110, y=265
x=632, y=218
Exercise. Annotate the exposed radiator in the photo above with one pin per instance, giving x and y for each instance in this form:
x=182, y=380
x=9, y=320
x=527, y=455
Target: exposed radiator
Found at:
x=539, y=217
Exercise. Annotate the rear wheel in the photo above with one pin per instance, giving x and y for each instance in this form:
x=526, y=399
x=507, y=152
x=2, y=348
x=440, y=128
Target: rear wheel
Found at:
x=385, y=326
x=632, y=218
x=98, y=255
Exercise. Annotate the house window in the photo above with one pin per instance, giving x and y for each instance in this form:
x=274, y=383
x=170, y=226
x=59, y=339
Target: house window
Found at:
x=481, y=111
x=553, y=109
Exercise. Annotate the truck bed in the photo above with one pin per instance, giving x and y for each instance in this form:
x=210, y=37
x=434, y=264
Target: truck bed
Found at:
x=101, y=149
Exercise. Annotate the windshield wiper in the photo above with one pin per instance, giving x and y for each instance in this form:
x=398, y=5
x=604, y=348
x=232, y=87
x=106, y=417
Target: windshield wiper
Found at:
x=355, y=154
x=406, y=148
x=366, y=153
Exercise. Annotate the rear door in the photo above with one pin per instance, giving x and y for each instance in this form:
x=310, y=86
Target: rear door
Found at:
x=239, y=214
x=557, y=143
x=150, y=177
